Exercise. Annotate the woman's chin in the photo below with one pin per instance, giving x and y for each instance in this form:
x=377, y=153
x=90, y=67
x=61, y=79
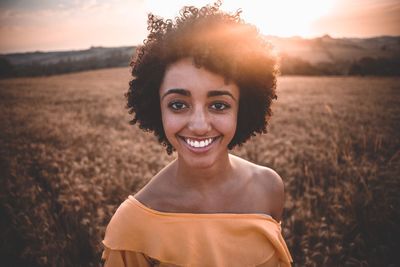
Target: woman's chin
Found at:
x=198, y=163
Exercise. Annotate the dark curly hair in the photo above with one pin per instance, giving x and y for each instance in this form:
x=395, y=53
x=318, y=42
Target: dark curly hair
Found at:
x=220, y=42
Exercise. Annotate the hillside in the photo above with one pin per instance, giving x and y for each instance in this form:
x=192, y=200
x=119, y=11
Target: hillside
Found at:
x=329, y=50
x=318, y=56
x=346, y=56
x=48, y=63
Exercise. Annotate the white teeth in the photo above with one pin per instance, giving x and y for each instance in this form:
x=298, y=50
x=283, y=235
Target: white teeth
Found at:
x=199, y=144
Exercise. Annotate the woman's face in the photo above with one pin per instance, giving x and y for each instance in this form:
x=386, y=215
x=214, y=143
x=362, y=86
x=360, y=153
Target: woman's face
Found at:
x=199, y=113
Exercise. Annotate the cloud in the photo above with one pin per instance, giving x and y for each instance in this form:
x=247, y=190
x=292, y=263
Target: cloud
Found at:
x=80, y=25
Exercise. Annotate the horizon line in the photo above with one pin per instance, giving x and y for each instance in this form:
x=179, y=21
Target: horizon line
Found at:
x=76, y=49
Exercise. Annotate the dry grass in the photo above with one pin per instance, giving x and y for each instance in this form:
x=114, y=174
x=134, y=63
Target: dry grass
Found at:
x=68, y=158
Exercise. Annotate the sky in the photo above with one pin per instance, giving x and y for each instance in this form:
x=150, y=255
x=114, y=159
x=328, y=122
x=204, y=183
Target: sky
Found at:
x=58, y=25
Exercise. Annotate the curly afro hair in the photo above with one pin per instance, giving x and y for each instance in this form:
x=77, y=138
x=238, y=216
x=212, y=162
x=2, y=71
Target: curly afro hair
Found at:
x=220, y=42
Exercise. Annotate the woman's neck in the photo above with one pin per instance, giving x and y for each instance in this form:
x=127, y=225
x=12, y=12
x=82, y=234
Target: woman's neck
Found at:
x=206, y=178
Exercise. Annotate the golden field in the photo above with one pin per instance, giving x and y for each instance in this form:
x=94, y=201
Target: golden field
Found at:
x=68, y=158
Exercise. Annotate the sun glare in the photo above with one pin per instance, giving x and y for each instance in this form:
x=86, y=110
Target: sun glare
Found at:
x=287, y=17
x=281, y=18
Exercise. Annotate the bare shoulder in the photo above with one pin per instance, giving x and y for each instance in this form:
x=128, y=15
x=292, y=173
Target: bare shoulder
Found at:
x=273, y=187
x=270, y=179
x=264, y=176
x=267, y=187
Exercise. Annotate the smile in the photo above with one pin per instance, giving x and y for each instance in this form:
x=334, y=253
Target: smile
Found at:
x=199, y=143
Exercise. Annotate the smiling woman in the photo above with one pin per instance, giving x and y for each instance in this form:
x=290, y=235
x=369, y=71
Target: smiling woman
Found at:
x=200, y=120
x=203, y=84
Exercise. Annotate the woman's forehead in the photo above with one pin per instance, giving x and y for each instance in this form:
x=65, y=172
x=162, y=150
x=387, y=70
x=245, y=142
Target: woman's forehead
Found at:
x=186, y=71
x=183, y=74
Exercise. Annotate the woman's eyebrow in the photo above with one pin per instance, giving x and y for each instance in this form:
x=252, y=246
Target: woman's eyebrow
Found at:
x=178, y=91
x=185, y=92
x=219, y=93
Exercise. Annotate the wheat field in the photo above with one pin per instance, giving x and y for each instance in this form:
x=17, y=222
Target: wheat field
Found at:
x=68, y=158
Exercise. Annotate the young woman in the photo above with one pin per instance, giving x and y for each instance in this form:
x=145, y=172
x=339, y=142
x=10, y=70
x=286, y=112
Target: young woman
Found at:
x=203, y=84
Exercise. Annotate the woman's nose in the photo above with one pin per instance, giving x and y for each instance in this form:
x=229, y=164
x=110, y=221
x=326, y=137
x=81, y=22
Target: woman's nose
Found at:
x=199, y=122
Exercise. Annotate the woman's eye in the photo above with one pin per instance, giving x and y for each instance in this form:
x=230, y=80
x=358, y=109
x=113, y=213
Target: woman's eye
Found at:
x=220, y=106
x=177, y=105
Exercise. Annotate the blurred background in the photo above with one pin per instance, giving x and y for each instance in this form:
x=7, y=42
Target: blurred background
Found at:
x=68, y=156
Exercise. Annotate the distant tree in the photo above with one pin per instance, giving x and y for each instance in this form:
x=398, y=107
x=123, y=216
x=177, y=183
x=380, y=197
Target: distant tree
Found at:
x=298, y=66
x=6, y=68
x=376, y=66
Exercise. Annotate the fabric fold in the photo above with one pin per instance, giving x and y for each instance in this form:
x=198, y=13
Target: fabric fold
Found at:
x=188, y=239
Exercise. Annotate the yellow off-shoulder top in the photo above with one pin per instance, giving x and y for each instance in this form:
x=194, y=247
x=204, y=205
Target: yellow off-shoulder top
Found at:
x=140, y=236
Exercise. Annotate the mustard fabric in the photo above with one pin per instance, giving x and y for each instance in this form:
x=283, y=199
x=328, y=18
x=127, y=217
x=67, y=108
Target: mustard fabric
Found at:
x=140, y=236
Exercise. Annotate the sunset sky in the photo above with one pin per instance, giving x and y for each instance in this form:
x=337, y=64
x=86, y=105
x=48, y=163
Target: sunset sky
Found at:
x=52, y=25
